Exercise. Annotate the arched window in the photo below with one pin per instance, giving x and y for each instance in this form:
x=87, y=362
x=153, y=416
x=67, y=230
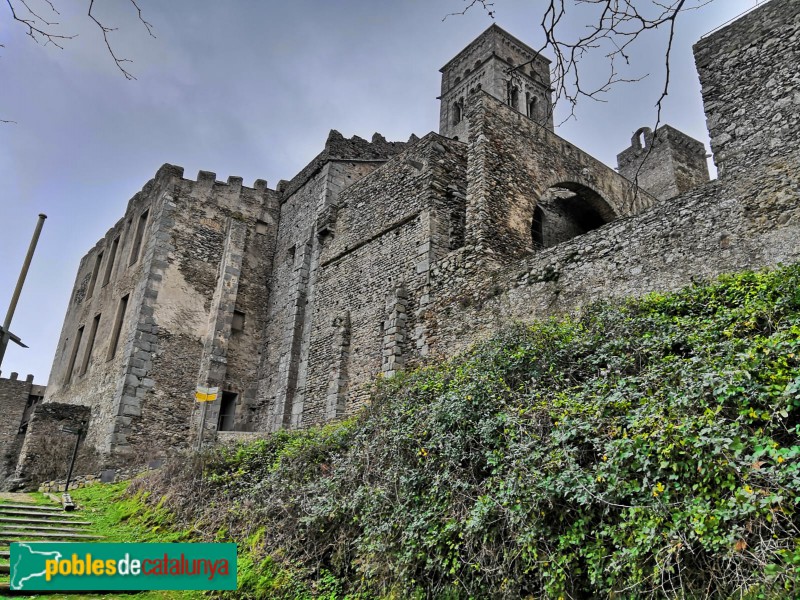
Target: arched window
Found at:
x=641, y=138
x=533, y=107
x=458, y=111
x=513, y=96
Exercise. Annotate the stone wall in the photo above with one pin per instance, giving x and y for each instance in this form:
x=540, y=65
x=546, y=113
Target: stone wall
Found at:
x=513, y=161
x=722, y=227
x=308, y=207
x=17, y=400
x=751, y=91
x=389, y=228
x=47, y=447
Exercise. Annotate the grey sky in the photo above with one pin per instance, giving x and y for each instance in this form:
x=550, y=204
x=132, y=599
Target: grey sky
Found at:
x=251, y=89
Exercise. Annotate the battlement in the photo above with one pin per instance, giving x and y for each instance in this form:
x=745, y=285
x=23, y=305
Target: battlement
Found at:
x=14, y=376
x=168, y=171
x=338, y=147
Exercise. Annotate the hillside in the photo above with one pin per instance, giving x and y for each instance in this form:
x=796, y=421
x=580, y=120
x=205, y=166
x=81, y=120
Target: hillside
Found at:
x=643, y=449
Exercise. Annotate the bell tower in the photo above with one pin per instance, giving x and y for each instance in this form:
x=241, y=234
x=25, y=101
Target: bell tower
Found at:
x=499, y=64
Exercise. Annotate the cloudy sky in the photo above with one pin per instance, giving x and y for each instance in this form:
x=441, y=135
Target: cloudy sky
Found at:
x=247, y=88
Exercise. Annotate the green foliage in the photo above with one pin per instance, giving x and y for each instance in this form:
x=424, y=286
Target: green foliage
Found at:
x=644, y=449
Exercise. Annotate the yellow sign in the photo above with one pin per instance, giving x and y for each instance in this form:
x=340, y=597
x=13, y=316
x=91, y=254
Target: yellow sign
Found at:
x=206, y=394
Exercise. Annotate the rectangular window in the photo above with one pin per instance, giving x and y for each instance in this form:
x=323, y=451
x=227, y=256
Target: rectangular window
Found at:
x=112, y=257
x=90, y=344
x=137, y=240
x=237, y=324
x=95, y=271
x=74, y=354
x=123, y=305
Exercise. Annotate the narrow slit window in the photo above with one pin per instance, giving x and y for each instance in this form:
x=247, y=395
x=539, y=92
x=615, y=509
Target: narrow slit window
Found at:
x=112, y=257
x=97, y=262
x=90, y=344
x=74, y=354
x=137, y=240
x=118, y=321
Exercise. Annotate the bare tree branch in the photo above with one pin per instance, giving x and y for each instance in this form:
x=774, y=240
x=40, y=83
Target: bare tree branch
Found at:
x=106, y=30
x=614, y=27
x=38, y=27
x=45, y=31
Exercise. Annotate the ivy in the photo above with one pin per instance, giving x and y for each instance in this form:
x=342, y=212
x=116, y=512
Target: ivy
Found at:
x=647, y=449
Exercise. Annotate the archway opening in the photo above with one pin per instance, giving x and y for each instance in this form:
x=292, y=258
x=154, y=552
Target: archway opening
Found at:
x=565, y=211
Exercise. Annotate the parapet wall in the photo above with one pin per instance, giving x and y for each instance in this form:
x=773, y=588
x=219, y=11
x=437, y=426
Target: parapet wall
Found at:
x=49, y=440
x=17, y=398
x=349, y=149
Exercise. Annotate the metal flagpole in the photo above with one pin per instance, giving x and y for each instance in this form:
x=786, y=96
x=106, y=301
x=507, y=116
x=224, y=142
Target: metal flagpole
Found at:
x=5, y=334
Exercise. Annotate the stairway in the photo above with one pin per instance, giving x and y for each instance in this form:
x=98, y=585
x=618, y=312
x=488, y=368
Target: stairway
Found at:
x=21, y=522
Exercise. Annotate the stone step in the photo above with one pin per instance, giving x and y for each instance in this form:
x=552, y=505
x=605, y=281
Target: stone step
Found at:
x=41, y=529
x=5, y=554
x=27, y=513
x=5, y=569
x=45, y=521
x=44, y=507
x=7, y=592
x=7, y=537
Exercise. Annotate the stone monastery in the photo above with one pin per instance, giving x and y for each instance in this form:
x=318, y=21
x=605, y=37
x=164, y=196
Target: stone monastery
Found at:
x=380, y=255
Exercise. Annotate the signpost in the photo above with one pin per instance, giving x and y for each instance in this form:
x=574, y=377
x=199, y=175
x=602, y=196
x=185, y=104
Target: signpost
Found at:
x=66, y=500
x=204, y=395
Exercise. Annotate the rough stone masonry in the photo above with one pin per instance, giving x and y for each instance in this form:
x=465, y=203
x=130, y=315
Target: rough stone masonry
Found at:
x=379, y=256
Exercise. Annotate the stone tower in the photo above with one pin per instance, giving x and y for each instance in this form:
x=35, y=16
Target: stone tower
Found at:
x=497, y=63
x=664, y=164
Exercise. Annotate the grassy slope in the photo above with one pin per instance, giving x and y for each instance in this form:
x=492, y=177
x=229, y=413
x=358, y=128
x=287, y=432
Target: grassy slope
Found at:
x=119, y=517
x=647, y=449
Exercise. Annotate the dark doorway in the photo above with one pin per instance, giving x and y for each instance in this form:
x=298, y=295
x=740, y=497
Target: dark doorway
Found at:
x=227, y=411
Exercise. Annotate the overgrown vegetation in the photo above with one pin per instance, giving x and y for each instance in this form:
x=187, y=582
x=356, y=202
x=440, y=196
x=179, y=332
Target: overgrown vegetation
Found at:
x=648, y=449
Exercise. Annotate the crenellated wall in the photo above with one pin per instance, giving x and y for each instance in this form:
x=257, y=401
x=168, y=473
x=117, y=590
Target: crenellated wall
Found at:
x=151, y=317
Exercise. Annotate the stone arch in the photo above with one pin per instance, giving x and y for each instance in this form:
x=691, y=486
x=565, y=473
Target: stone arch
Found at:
x=567, y=209
x=642, y=138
